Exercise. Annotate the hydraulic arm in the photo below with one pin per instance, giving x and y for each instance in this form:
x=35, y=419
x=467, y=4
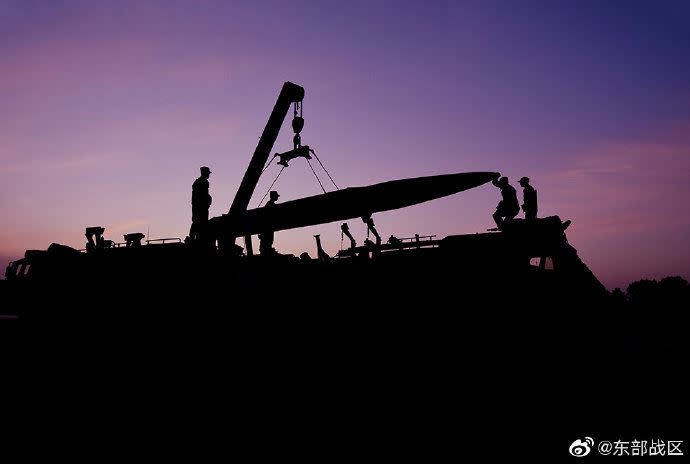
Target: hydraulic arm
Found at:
x=289, y=94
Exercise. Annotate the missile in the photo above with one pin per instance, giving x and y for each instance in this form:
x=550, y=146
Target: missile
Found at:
x=349, y=203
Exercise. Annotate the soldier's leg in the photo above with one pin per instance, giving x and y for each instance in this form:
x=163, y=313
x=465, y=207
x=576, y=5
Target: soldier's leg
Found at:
x=497, y=219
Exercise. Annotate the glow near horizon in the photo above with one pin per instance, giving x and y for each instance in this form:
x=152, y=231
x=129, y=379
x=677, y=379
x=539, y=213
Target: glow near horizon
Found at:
x=109, y=110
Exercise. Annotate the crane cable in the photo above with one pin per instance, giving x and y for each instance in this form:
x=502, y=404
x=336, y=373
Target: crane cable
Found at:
x=297, y=125
x=268, y=164
x=269, y=188
x=297, y=131
x=317, y=177
x=312, y=170
x=325, y=170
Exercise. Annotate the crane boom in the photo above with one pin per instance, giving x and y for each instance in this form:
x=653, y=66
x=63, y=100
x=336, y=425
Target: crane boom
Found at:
x=289, y=94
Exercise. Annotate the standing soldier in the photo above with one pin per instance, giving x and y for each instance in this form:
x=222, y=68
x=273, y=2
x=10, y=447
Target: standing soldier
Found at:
x=529, y=200
x=267, y=236
x=508, y=207
x=201, y=202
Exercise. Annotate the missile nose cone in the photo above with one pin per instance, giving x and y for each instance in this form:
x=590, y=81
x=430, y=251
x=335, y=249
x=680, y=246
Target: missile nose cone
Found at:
x=487, y=176
x=453, y=183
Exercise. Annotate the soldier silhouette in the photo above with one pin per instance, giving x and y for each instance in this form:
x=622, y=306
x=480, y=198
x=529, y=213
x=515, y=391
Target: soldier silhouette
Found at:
x=529, y=199
x=508, y=207
x=266, y=238
x=201, y=201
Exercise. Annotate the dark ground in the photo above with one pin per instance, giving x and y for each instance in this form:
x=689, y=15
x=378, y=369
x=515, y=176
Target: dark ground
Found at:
x=319, y=365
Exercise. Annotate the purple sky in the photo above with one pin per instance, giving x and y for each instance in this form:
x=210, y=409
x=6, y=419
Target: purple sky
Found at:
x=109, y=108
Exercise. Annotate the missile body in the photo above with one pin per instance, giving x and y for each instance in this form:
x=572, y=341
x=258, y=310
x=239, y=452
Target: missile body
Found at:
x=349, y=203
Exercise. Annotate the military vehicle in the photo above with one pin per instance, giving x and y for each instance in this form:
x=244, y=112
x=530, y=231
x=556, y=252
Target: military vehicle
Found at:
x=530, y=260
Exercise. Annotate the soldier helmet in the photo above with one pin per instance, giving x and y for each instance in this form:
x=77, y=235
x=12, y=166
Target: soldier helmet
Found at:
x=274, y=195
x=503, y=180
x=524, y=180
x=205, y=170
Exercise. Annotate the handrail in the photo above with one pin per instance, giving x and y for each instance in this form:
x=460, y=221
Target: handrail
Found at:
x=411, y=242
x=148, y=242
x=417, y=238
x=163, y=240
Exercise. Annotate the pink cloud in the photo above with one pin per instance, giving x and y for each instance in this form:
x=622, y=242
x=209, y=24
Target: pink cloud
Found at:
x=69, y=163
x=641, y=183
x=127, y=227
x=626, y=200
x=62, y=64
